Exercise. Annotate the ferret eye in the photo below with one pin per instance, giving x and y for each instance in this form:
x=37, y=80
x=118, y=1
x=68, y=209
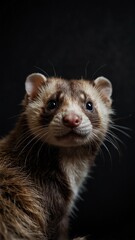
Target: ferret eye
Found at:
x=89, y=106
x=52, y=104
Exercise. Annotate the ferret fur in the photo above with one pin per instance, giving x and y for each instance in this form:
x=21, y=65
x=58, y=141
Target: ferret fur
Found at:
x=46, y=158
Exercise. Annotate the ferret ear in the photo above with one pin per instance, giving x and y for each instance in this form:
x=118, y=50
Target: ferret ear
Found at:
x=32, y=84
x=104, y=86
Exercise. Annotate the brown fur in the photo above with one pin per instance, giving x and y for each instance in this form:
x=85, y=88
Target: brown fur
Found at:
x=42, y=171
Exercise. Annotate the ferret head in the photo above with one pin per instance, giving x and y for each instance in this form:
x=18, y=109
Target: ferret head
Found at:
x=68, y=113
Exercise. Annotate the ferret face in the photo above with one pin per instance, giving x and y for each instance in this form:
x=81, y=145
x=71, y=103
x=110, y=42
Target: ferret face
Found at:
x=68, y=113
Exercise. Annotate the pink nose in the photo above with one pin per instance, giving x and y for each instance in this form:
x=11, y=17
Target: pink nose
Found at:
x=72, y=120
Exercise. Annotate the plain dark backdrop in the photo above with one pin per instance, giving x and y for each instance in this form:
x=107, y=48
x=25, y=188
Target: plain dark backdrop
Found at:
x=79, y=39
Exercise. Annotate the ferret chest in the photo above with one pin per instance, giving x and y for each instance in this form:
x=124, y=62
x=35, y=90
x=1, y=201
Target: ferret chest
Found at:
x=76, y=171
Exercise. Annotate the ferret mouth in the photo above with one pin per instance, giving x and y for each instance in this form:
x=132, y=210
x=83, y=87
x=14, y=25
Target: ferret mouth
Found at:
x=72, y=134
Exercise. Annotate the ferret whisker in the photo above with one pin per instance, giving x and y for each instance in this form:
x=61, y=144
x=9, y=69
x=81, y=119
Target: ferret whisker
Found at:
x=21, y=141
x=104, y=145
x=101, y=152
x=43, y=71
x=21, y=152
x=22, y=136
x=25, y=136
x=99, y=68
x=38, y=153
x=54, y=71
x=96, y=137
x=112, y=142
x=116, y=127
x=35, y=137
x=38, y=138
x=14, y=116
x=115, y=137
x=45, y=136
x=86, y=68
x=123, y=127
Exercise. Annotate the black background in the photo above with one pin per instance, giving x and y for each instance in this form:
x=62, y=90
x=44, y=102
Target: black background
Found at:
x=79, y=39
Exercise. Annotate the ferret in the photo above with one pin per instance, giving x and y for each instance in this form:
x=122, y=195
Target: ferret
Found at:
x=46, y=158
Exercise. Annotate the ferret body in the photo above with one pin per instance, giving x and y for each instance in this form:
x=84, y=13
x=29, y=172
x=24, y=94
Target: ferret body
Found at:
x=46, y=158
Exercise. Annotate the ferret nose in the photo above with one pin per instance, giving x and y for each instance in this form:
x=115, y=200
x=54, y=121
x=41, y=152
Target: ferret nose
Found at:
x=72, y=120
